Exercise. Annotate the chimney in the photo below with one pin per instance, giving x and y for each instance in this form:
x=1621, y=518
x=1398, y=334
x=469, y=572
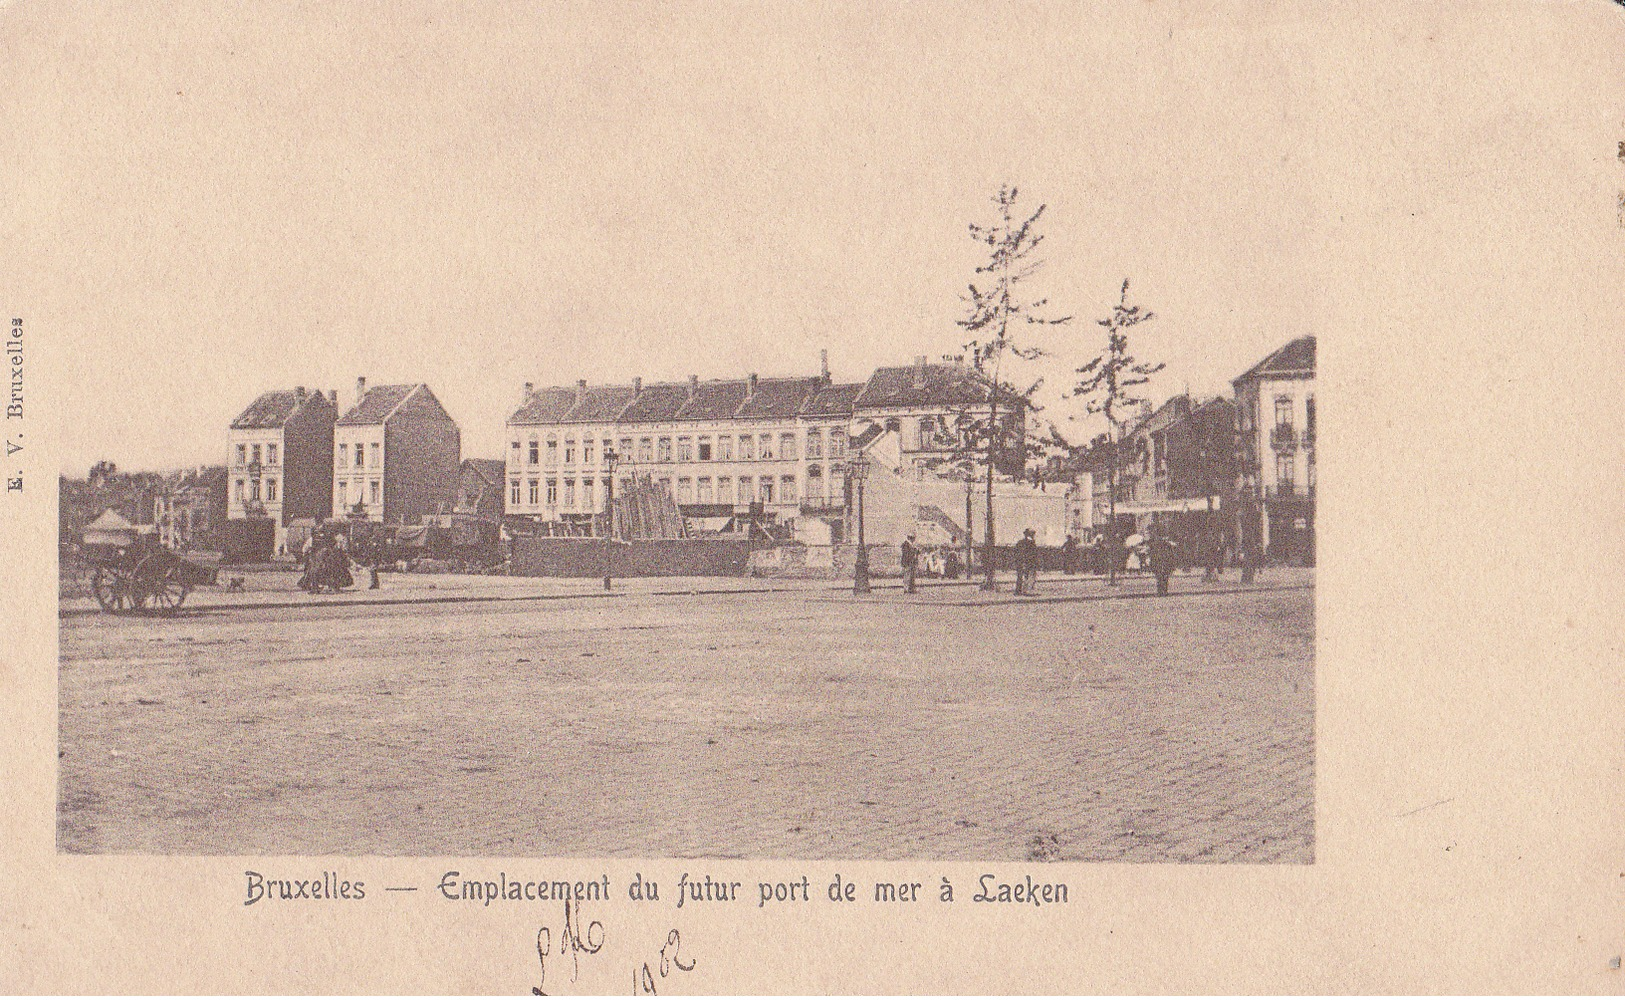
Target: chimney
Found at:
x=360, y=388
x=637, y=385
x=581, y=390
x=530, y=391
x=823, y=364
x=333, y=397
x=299, y=393
x=693, y=385
x=750, y=383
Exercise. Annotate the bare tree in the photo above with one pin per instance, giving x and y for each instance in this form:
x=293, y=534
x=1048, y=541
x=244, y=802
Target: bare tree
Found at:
x=995, y=311
x=1108, y=384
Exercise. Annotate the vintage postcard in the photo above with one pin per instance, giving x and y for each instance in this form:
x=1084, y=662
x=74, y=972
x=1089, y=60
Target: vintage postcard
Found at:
x=738, y=498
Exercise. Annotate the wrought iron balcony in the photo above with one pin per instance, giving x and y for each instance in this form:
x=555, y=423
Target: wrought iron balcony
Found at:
x=1284, y=437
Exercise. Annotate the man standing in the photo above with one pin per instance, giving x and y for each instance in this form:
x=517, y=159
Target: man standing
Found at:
x=1026, y=563
x=1161, y=558
x=911, y=558
x=1069, y=555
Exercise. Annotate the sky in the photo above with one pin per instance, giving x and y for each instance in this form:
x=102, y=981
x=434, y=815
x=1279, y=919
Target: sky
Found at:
x=242, y=200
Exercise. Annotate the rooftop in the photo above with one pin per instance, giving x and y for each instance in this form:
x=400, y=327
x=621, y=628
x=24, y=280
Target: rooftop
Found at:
x=1295, y=360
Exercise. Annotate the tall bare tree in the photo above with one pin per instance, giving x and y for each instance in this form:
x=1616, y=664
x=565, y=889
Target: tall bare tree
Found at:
x=996, y=314
x=1109, y=384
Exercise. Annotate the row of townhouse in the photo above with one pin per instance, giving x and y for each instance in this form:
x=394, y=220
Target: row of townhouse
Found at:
x=775, y=445
x=719, y=447
x=1244, y=465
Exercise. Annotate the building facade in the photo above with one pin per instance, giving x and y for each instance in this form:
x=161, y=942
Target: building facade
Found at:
x=771, y=447
x=1177, y=470
x=1275, y=413
x=191, y=507
x=397, y=456
x=279, y=451
x=717, y=447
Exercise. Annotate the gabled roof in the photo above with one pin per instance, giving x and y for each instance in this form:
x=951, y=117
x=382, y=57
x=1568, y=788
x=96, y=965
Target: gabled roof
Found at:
x=714, y=400
x=381, y=402
x=832, y=400
x=659, y=401
x=776, y=398
x=922, y=385
x=599, y=404
x=492, y=470
x=545, y=406
x=1295, y=360
x=273, y=409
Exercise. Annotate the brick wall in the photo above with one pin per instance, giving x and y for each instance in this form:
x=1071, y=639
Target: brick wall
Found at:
x=422, y=466
x=584, y=557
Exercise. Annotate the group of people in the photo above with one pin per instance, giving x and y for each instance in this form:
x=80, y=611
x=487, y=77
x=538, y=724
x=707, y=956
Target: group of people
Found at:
x=1155, y=552
x=326, y=561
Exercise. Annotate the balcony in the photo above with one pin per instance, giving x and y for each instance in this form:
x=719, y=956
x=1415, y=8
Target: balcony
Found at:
x=1284, y=437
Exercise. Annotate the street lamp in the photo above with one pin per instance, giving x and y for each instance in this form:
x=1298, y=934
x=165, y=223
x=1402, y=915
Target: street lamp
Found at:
x=611, y=457
x=857, y=472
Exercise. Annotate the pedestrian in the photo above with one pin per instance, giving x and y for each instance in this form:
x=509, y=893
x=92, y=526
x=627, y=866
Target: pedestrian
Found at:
x=1214, y=553
x=911, y=558
x=1162, y=557
x=1069, y=555
x=1026, y=563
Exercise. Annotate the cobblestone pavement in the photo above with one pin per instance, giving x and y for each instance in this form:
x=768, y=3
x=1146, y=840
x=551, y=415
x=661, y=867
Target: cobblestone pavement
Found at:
x=1087, y=724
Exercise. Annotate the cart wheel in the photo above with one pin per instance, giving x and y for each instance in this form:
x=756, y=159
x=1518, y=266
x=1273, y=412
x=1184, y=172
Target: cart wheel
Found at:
x=166, y=593
x=111, y=589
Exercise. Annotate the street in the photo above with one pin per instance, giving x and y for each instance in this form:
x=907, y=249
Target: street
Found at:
x=1090, y=723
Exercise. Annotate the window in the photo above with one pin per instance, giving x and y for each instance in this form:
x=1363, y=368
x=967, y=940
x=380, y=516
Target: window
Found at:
x=569, y=451
x=837, y=484
x=515, y=459
x=626, y=449
x=377, y=454
x=372, y=491
x=837, y=442
x=767, y=446
x=242, y=454
x=270, y=455
x=765, y=488
x=685, y=450
x=725, y=489
x=513, y=489
x=586, y=451
x=609, y=446
x=256, y=459
x=552, y=492
x=338, y=493
x=343, y=453
x=747, y=448
x=665, y=485
x=535, y=492
x=787, y=489
x=787, y=447
x=570, y=492
x=552, y=452
x=703, y=494
x=253, y=489
x=535, y=452
x=747, y=488
x=586, y=495
x=815, y=444
x=815, y=483
x=1283, y=411
x=705, y=449
x=725, y=449
x=626, y=484
x=360, y=454
x=646, y=449
x=663, y=450
x=240, y=486
x=1284, y=478
x=270, y=491
x=685, y=490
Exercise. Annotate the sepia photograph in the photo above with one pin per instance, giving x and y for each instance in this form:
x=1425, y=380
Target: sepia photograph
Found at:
x=811, y=498
x=635, y=483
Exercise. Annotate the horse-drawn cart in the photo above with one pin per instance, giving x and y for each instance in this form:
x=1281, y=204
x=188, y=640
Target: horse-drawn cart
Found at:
x=130, y=572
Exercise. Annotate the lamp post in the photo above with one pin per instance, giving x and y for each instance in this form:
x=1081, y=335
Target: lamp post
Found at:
x=857, y=472
x=611, y=457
